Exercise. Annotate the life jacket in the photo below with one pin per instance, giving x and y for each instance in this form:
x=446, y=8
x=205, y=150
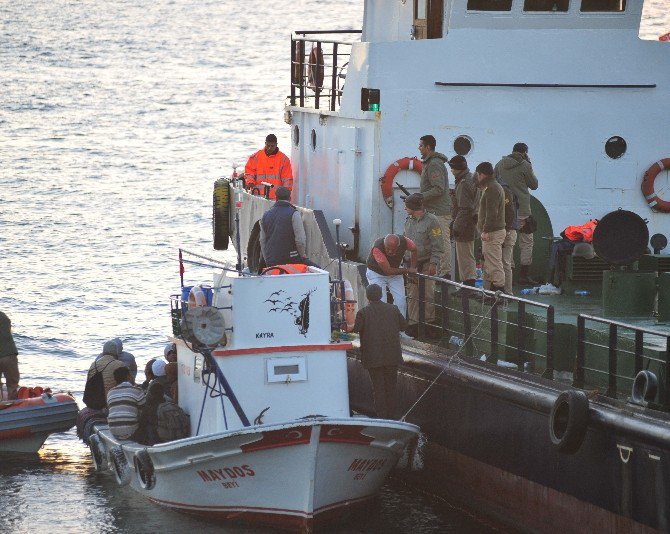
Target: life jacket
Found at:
x=279, y=238
x=30, y=393
x=288, y=268
x=394, y=261
x=582, y=232
x=274, y=169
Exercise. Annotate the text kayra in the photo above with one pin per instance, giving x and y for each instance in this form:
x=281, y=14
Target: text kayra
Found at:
x=264, y=335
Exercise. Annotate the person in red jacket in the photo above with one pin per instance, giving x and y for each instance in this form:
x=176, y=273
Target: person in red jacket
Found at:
x=269, y=165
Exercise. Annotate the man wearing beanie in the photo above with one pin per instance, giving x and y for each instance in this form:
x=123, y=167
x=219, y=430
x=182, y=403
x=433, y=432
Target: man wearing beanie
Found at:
x=517, y=172
x=271, y=166
x=107, y=364
x=436, y=197
x=491, y=224
x=283, y=238
x=425, y=231
x=464, y=219
x=379, y=325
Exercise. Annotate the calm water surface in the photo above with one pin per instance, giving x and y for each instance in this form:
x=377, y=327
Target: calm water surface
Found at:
x=115, y=118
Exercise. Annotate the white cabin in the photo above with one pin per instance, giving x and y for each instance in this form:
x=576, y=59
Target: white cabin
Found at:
x=571, y=78
x=277, y=354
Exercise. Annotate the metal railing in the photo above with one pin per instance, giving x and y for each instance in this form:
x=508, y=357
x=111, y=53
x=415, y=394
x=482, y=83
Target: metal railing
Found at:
x=318, y=68
x=489, y=323
x=613, y=350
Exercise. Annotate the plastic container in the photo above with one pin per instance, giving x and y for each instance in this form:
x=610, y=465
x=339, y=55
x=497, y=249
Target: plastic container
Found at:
x=582, y=292
x=479, y=276
x=457, y=341
x=530, y=291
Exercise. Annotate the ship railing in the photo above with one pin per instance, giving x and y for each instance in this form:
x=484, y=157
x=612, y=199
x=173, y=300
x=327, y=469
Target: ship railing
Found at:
x=630, y=342
x=489, y=325
x=318, y=68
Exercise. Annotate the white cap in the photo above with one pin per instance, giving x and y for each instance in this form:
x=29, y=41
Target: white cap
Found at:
x=158, y=368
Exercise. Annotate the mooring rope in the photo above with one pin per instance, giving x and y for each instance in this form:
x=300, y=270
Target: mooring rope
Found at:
x=455, y=355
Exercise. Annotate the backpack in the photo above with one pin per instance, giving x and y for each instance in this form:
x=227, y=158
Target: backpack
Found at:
x=94, y=391
x=172, y=422
x=511, y=207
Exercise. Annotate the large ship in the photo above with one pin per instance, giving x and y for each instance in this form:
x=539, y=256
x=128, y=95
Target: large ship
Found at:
x=553, y=414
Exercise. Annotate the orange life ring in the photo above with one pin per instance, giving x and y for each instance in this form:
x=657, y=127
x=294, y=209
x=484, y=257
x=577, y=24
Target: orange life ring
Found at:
x=655, y=202
x=315, y=68
x=386, y=181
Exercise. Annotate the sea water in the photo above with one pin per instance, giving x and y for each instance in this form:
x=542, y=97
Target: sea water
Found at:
x=115, y=119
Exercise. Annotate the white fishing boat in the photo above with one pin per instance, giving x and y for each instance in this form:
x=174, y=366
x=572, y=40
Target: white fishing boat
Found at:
x=282, y=449
x=25, y=424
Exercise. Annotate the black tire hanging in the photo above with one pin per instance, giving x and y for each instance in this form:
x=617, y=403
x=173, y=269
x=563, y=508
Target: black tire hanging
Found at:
x=568, y=421
x=221, y=214
x=144, y=470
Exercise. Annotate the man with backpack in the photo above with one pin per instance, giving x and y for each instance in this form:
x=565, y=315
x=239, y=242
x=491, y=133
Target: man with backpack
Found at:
x=100, y=379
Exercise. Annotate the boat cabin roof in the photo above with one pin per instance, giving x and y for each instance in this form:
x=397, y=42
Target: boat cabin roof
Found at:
x=386, y=20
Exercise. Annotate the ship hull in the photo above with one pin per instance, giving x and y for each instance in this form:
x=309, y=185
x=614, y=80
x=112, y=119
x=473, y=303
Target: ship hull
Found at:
x=488, y=445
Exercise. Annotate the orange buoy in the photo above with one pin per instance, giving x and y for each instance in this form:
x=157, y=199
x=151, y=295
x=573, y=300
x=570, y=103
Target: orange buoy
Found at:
x=655, y=202
x=386, y=181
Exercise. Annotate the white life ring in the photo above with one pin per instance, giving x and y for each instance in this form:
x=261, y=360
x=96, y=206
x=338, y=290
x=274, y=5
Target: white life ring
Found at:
x=196, y=298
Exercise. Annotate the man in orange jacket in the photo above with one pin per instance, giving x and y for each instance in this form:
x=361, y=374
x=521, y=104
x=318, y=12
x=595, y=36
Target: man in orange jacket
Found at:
x=269, y=165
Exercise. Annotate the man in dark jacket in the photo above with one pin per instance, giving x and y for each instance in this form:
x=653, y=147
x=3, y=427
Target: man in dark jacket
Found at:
x=464, y=219
x=491, y=224
x=517, y=172
x=436, y=198
x=379, y=325
x=9, y=364
x=283, y=238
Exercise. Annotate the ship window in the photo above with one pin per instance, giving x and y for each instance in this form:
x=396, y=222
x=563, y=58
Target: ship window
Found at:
x=546, y=5
x=609, y=6
x=615, y=147
x=489, y=5
x=296, y=135
x=313, y=139
x=286, y=370
x=462, y=145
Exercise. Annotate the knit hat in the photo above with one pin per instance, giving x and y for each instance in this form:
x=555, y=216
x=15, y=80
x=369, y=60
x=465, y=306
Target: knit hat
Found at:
x=170, y=347
x=283, y=193
x=110, y=347
x=458, y=163
x=158, y=368
x=119, y=343
x=373, y=292
x=414, y=201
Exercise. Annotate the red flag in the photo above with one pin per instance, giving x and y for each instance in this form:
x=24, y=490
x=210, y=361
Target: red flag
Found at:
x=181, y=269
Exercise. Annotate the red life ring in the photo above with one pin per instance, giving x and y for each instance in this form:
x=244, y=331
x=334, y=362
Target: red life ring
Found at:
x=386, y=181
x=654, y=201
x=315, y=68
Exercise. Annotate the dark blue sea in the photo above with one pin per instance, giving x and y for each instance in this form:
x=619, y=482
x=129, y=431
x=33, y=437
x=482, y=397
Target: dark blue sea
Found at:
x=115, y=119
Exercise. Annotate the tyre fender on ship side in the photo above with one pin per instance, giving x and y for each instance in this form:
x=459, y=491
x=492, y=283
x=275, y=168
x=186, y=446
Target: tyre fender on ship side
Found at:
x=221, y=214
x=144, y=470
x=98, y=453
x=568, y=420
x=120, y=466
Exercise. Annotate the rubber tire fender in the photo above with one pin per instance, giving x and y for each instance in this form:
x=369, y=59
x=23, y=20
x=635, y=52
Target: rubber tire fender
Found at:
x=98, y=454
x=221, y=214
x=144, y=470
x=569, y=420
x=120, y=466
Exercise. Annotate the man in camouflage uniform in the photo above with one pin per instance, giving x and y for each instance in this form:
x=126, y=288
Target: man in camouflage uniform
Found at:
x=424, y=229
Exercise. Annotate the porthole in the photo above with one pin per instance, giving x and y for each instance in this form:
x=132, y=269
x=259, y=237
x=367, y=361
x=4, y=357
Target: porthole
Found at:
x=296, y=135
x=462, y=145
x=313, y=139
x=615, y=147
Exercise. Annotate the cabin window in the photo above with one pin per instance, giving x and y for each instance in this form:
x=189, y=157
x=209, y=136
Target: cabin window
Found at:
x=546, y=5
x=296, y=135
x=286, y=370
x=489, y=5
x=462, y=145
x=428, y=16
x=608, y=6
x=615, y=147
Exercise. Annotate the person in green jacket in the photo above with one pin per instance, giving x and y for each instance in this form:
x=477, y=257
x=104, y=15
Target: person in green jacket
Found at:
x=9, y=364
x=491, y=225
x=436, y=198
x=517, y=172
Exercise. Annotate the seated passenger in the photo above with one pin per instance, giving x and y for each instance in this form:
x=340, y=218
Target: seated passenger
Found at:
x=105, y=364
x=127, y=359
x=171, y=376
x=124, y=403
x=158, y=370
x=147, y=433
x=170, y=352
x=148, y=373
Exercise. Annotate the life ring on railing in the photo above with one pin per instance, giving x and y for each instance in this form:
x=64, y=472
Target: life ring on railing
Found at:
x=655, y=202
x=315, y=68
x=386, y=181
x=296, y=71
x=569, y=420
x=196, y=298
